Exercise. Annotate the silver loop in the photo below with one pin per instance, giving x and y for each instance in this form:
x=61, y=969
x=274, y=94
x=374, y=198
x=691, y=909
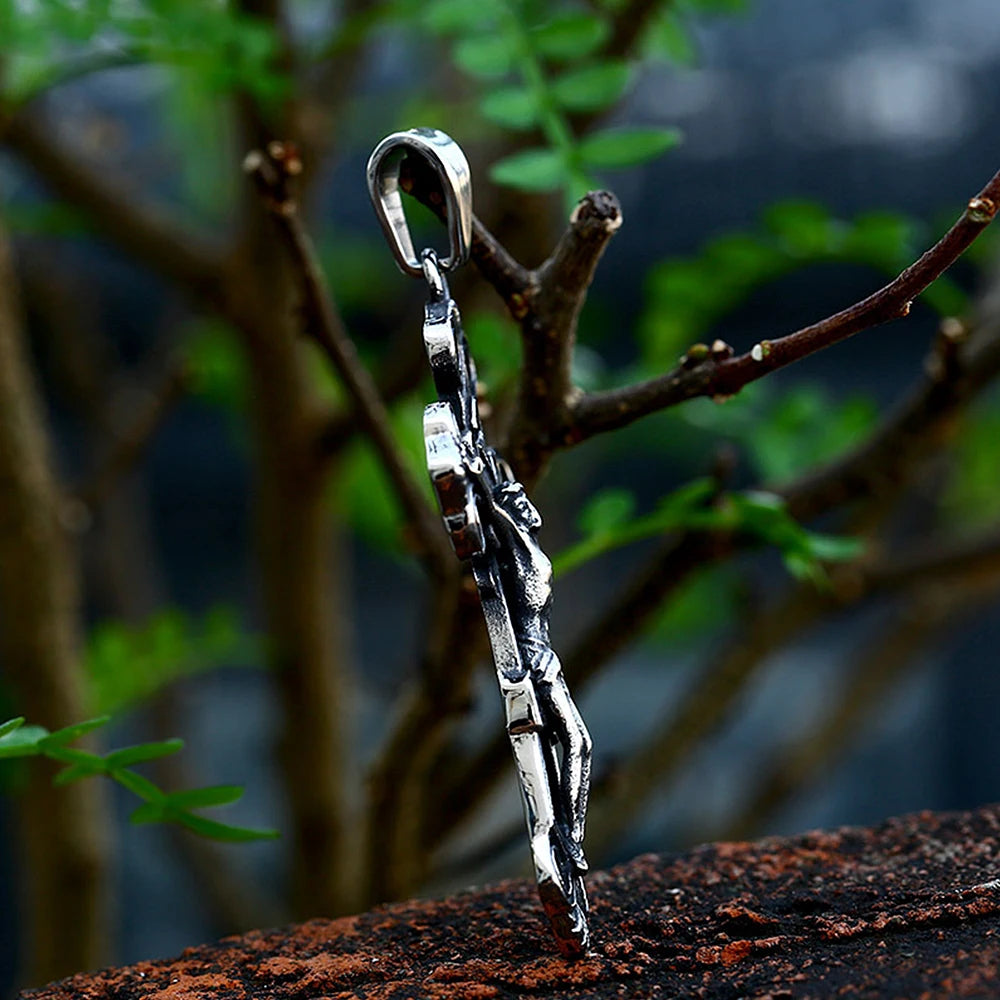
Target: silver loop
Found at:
x=448, y=160
x=432, y=271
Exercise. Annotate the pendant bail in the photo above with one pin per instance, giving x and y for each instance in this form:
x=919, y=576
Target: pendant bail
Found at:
x=452, y=168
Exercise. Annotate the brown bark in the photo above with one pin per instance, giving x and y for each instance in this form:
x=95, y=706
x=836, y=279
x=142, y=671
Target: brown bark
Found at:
x=907, y=909
x=295, y=541
x=63, y=836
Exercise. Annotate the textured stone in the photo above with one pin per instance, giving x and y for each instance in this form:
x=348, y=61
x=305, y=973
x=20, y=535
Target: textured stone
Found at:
x=909, y=909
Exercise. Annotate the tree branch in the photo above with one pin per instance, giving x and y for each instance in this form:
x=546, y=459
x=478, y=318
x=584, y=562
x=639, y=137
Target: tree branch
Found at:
x=549, y=319
x=62, y=831
x=716, y=691
x=141, y=230
x=873, y=674
x=129, y=446
x=271, y=172
x=597, y=413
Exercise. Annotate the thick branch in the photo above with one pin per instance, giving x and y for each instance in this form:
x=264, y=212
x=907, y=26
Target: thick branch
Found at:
x=271, y=172
x=63, y=832
x=600, y=412
x=548, y=321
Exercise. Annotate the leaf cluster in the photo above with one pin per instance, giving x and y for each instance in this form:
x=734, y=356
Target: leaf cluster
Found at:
x=608, y=522
x=128, y=663
x=536, y=70
x=18, y=740
x=47, y=42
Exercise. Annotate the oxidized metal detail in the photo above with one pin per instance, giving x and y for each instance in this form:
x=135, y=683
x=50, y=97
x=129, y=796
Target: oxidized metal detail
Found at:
x=493, y=525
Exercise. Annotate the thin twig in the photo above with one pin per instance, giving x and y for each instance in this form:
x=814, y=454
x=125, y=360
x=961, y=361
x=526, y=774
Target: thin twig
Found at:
x=129, y=447
x=271, y=172
x=709, y=702
x=597, y=413
x=873, y=675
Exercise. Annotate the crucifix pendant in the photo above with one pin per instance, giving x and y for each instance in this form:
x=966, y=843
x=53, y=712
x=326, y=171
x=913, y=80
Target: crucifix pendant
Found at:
x=494, y=526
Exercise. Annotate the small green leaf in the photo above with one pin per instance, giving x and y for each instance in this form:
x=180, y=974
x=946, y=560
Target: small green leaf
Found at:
x=687, y=498
x=512, y=107
x=569, y=36
x=22, y=742
x=805, y=227
x=625, y=147
x=150, y=812
x=138, y=785
x=70, y=755
x=487, y=56
x=606, y=511
x=833, y=548
x=667, y=38
x=128, y=756
x=447, y=17
x=70, y=733
x=203, y=798
x=79, y=770
x=214, y=830
x=10, y=726
x=535, y=169
x=591, y=88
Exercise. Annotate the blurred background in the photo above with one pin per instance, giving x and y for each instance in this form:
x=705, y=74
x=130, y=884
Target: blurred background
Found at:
x=230, y=566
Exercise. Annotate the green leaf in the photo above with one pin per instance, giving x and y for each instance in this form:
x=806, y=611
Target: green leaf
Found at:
x=128, y=756
x=149, y=812
x=449, y=17
x=70, y=733
x=610, y=516
x=81, y=769
x=606, y=511
x=803, y=428
x=833, y=548
x=10, y=726
x=591, y=88
x=138, y=785
x=22, y=742
x=70, y=755
x=625, y=147
x=667, y=38
x=214, y=830
x=535, y=169
x=486, y=56
x=512, y=107
x=571, y=35
x=883, y=239
x=203, y=798
x=805, y=228
x=128, y=663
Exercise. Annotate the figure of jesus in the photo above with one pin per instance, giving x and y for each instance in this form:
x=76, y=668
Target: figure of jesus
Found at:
x=526, y=575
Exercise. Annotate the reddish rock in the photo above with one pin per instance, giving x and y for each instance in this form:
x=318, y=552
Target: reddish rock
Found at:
x=909, y=909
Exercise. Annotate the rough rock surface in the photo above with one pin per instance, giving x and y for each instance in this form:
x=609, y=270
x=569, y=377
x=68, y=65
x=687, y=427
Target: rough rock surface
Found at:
x=909, y=909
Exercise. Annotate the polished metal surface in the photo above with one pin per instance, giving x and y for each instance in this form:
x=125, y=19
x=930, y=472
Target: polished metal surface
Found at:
x=493, y=524
x=452, y=168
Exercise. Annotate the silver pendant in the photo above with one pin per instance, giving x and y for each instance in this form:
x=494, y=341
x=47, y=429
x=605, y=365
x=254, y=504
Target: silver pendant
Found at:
x=493, y=525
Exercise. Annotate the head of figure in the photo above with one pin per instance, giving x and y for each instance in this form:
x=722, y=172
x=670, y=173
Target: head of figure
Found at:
x=514, y=500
